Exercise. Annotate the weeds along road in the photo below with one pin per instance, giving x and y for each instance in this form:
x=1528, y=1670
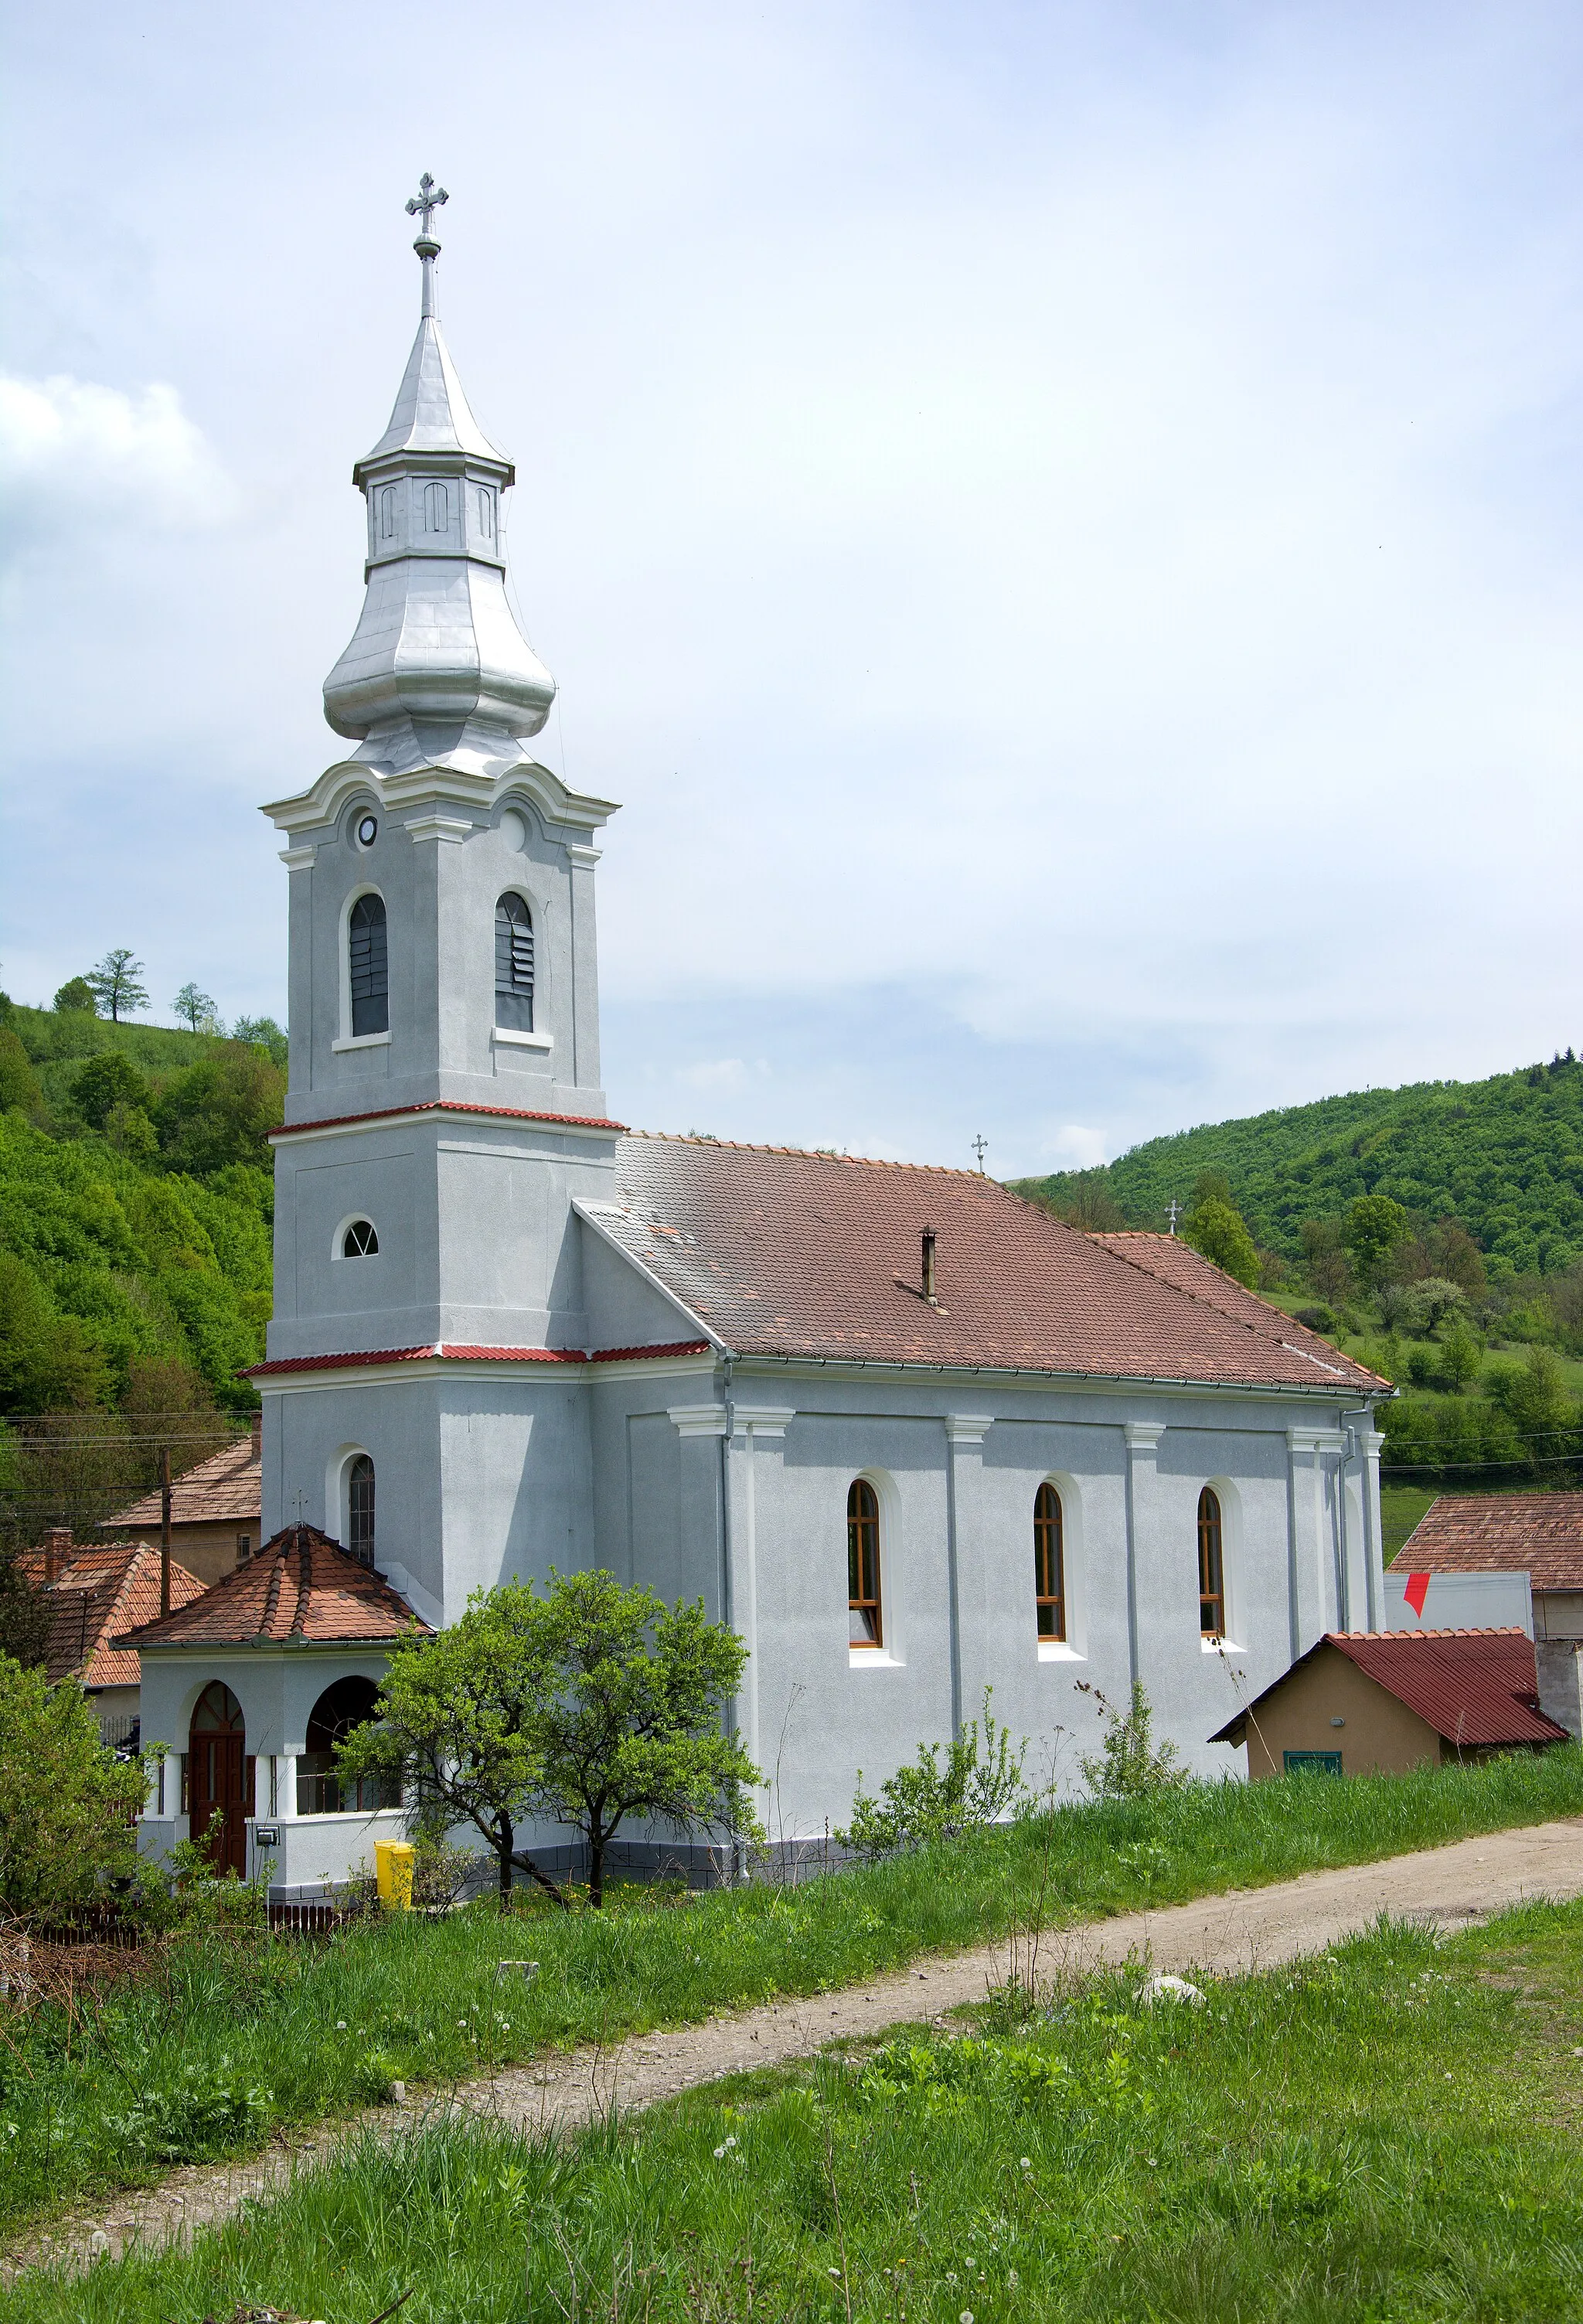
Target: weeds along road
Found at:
x=1225, y=1935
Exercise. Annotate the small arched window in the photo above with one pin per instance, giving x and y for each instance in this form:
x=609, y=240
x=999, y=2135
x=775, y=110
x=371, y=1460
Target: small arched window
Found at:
x=360, y=1509
x=349, y=1704
x=1211, y=1566
x=1049, y=1565
x=486, y=514
x=368, y=966
x=360, y=1240
x=387, y=513
x=513, y=965
x=437, y=508
x=863, y=1565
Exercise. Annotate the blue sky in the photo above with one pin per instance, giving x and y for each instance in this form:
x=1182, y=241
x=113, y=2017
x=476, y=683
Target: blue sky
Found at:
x=1060, y=524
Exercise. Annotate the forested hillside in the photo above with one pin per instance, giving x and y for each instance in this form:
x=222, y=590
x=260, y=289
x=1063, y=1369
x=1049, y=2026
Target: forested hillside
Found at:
x=1503, y=1157
x=136, y=1210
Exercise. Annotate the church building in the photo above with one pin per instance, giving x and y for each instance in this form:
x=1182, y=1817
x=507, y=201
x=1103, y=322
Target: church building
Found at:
x=910, y=1436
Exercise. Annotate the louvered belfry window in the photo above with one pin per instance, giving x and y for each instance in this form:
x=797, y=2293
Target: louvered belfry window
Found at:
x=360, y=1508
x=368, y=965
x=513, y=965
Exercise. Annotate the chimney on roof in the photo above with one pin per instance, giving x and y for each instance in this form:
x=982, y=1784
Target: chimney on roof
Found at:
x=57, y=1553
x=928, y=1267
x=257, y=1435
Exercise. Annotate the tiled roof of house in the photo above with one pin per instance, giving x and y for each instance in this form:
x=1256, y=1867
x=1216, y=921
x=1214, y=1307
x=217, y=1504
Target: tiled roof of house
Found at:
x=1537, y=1533
x=1477, y=1688
x=1175, y=1261
x=97, y=1594
x=781, y=1252
x=301, y=1588
x=221, y=1491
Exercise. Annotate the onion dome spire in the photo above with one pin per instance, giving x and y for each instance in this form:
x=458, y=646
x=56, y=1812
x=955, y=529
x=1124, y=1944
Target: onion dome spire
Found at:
x=438, y=668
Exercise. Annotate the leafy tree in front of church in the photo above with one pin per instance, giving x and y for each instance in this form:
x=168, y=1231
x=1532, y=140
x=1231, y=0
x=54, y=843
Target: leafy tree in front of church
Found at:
x=583, y=1707
x=115, y=984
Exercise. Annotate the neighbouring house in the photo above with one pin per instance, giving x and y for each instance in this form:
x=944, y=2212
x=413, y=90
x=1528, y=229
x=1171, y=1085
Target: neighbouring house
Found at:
x=93, y=1594
x=214, y=1511
x=299, y=1633
x=1536, y=1534
x=1364, y=1703
x=509, y=1334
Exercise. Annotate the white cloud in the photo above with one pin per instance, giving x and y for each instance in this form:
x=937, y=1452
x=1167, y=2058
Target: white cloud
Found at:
x=72, y=451
x=1073, y=1147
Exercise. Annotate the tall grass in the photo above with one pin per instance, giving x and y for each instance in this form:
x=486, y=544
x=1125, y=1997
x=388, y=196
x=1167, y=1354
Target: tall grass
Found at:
x=1379, y=2134
x=223, y=2040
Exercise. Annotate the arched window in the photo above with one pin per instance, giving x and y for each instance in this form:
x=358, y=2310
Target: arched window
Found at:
x=348, y=1703
x=513, y=965
x=1211, y=1566
x=1049, y=1565
x=863, y=1565
x=360, y=1509
x=360, y=1240
x=486, y=512
x=387, y=513
x=368, y=967
x=437, y=508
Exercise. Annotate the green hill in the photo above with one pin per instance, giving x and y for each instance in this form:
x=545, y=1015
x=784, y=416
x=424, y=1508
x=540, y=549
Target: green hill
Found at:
x=135, y=1212
x=1503, y=1157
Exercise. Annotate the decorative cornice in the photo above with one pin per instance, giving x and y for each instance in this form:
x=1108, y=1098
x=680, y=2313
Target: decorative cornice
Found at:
x=447, y=1352
x=762, y=1419
x=477, y=790
x=968, y=1427
x=392, y=1114
x=299, y=859
x=698, y=1419
x=436, y=826
x=1143, y=1436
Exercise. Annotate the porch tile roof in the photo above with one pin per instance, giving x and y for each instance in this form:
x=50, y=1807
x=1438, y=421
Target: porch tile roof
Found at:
x=786, y=1253
x=1537, y=1533
x=301, y=1589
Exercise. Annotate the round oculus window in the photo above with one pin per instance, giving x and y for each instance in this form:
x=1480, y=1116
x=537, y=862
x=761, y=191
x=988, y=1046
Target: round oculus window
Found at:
x=367, y=831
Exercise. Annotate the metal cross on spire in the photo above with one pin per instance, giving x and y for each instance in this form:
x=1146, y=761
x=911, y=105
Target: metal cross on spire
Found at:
x=422, y=206
x=981, y=1148
x=426, y=201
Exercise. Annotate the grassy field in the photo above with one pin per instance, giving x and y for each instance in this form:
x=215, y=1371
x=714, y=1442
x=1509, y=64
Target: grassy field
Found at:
x=1401, y=1507
x=219, y=2043
x=1386, y=2133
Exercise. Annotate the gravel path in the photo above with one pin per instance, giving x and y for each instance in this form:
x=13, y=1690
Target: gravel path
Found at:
x=1451, y=1887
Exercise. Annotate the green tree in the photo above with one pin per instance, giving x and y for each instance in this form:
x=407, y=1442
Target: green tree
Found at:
x=67, y=1805
x=105, y=1081
x=114, y=983
x=220, y=1111
x=1219, y=1233
x=585, y=1706
x=196, y=1009
x=77, y=993
x=47, y=1360
x=1372, y=1228
x=19, y=1084
x=1535, y=1397
x=263, y=1033
x=1324, y=1257
x=1459, y=1355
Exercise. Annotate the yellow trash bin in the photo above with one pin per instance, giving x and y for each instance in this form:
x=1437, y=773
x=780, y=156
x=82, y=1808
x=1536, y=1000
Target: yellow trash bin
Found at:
x=392, y=1865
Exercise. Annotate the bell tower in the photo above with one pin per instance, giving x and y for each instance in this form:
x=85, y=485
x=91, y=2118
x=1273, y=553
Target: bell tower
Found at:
x=445, y=1107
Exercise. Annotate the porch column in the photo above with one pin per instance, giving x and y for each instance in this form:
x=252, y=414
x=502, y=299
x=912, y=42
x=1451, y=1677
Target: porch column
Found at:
x=755, y=1457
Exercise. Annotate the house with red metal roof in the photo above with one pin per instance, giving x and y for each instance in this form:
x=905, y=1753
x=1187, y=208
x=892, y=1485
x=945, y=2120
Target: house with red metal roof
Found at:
x=1536, y=1536
x=1366, y=1703
x=910, y=1436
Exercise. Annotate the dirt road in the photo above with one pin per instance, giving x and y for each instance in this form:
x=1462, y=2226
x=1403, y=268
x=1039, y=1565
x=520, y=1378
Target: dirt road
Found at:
x=1450, y=1888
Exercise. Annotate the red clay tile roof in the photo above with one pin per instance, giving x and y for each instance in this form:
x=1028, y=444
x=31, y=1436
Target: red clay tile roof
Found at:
x=1537, y=1533
x=1473, y=1687
x=1175, y=1261
x=301, y=1589
x=98, y=1593
x=224, y=1489
x=780, y=1252
x=455, y=1351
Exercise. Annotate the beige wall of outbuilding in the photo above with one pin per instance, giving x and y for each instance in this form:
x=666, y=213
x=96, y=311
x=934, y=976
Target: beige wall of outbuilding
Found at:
x=208, y=1551
x=1380, y=1734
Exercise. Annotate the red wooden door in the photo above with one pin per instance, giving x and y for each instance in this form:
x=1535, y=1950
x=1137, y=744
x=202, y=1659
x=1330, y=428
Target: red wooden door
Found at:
x=218, y=1776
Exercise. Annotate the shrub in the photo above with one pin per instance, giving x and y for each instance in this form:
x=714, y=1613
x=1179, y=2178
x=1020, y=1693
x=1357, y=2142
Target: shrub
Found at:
x=105, y=1082
x=979, y=1783
x=66, y=1805
x=1130, y=1763
x=19, y=1084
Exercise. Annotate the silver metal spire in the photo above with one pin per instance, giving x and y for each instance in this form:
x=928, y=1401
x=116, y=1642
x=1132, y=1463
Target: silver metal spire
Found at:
x=422, y=206
x=438, y=670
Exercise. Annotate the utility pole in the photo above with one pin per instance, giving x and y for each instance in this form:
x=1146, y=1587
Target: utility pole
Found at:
x=165, y=1529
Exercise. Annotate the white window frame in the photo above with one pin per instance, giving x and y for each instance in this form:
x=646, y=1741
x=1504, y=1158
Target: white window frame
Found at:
x=347, y=1039
x=1074, y=1646
x=351, y=1219
x=1232, y=1641
x=891, y=1656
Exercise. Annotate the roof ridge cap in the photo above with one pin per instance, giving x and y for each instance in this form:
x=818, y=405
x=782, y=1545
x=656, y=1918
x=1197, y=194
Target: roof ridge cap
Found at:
x=1259, y=1330
x=814, y=1154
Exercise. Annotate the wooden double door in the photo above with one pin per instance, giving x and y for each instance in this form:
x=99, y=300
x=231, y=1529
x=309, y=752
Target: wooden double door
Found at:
x=219, y=1777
